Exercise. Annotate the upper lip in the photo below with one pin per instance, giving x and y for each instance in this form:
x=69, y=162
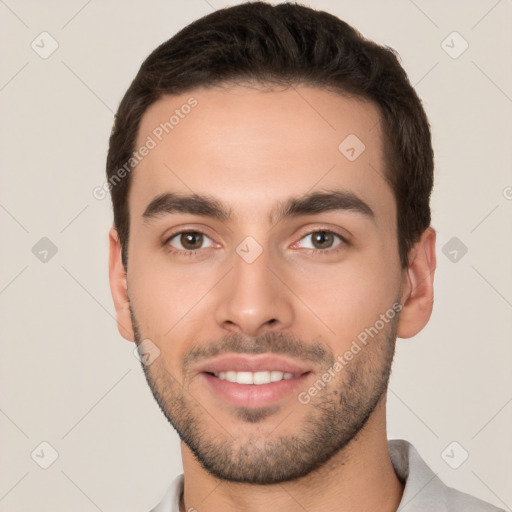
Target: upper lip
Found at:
x=252, y=363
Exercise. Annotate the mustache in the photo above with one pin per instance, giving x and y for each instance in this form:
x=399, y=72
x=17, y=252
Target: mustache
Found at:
x=269, y=342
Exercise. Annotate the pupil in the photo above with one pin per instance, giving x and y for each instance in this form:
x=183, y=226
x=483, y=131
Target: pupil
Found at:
x=322, y=239
x=192, y=240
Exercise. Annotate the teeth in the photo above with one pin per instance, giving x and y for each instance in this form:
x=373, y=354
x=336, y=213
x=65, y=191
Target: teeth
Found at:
x=264, y=377
x=244, y=378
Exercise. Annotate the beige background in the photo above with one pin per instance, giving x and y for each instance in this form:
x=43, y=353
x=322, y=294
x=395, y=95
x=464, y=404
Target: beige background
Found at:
x=68, y=378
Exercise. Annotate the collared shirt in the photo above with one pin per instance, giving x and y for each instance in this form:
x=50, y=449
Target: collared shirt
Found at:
x=423, y=490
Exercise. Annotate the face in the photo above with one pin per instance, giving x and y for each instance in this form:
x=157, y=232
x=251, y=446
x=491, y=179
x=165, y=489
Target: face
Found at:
x=263, y=264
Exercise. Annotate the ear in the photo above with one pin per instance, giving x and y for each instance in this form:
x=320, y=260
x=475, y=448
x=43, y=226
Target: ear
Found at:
x=418, y=286
x=118, y=287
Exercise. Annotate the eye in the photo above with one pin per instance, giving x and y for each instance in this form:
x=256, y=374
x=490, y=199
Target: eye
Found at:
x=320, y=240
x=189, y=241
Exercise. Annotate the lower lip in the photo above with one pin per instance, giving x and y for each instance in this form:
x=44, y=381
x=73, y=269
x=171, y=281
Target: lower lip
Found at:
x=254, y=395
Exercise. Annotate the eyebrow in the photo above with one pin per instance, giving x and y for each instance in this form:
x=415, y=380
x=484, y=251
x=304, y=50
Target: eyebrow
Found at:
x=309, y=204
x=194, y=204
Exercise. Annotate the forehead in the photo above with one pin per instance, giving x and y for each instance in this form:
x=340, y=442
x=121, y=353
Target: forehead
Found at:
x=252, y=147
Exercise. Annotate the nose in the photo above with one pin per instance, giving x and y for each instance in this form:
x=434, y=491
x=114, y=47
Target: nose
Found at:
x=252, y=299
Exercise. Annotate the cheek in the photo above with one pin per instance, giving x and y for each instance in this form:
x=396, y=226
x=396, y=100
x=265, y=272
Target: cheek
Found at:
x=346, y=298
x=169, y=303
x=161, y=298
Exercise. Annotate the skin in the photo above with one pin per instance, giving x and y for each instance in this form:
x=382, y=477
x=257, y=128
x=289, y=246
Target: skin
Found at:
x=252, y=149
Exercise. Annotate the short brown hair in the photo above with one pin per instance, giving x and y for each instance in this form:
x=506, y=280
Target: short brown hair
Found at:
x=286, y=44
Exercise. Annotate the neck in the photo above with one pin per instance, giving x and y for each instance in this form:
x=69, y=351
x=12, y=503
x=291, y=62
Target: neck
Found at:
x=358, y=478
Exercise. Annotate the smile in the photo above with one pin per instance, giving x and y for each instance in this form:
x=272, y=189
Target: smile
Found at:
x=258, y=378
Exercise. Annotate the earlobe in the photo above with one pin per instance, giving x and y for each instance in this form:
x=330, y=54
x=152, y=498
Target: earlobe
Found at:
x=418, y=286
x=118, y=287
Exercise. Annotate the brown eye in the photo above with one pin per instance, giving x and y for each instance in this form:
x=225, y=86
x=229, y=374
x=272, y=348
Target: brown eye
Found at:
x=321, y=240
x=189, y=240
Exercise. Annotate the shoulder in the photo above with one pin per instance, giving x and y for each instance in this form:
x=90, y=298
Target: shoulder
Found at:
x=423, y=489
x=171, y=500
x=457, y=501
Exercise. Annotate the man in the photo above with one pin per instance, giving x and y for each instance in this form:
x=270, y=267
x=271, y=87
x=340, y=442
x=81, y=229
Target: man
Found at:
x=270, y=172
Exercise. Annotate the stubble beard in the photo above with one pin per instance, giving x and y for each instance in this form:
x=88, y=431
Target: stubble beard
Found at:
x=334, y=416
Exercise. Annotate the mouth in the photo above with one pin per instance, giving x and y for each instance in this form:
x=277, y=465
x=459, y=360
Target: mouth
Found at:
x=256, y=378
x=253, y=381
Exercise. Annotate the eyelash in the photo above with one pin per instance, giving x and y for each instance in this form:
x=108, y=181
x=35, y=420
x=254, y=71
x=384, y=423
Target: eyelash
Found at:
x=322, y=252
x=325, y=252
x=182, y=252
